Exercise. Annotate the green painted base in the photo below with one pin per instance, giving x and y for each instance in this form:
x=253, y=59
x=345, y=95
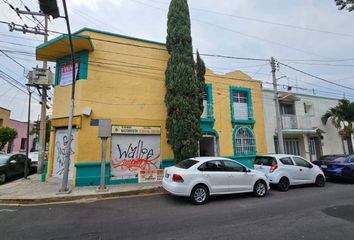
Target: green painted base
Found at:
x=245, y=160
x=88, y=173
x=45, y=169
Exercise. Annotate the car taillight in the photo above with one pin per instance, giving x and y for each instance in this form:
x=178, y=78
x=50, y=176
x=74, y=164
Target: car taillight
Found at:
x=338, y=165
x=273, y=168
x=177, y=178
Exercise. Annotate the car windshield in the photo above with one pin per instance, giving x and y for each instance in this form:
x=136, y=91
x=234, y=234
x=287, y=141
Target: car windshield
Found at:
x=329, y=158
x=185, y=164
x=4, y=158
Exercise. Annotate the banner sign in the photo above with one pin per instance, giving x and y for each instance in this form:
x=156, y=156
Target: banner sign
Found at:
x=61, y=141
x=135, y=130
x=66, y=75
x=150, y=176
x=132, y=153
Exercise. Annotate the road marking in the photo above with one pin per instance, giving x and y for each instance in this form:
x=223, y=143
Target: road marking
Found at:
x=8, y=210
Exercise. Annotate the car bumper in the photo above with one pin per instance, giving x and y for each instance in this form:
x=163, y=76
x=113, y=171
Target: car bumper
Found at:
x=332, y=173
x=175, y=188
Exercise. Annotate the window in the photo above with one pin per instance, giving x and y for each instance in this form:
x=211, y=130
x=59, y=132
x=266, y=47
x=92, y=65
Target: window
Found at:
x=231, y=166
x=245, y=142
x=185, y=164
x=240, y=105
x=301, y=162
x=291, y=146
x=286, y=161
x=212, y=166
x=207, y=104
x=1, y=122
x=266, y=161
x=23, y=143
x=287, y=109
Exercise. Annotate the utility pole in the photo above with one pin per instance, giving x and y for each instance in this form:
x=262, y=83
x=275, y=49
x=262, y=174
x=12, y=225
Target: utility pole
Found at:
x=28, y=129
x=42, y=129
x=277, y=108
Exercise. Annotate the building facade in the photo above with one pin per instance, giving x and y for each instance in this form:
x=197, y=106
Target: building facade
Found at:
x=4, y=117
x=123, y=79
x=19, y=144
x=303, y=131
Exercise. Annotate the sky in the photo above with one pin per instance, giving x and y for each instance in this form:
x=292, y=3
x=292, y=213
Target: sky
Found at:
x=309, y=35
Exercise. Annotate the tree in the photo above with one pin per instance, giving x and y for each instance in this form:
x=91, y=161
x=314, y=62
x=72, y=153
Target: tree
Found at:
x=342, y=115
x=200, y=71
x=7, y=135
x=347, y=4
x=36, y=129
x=182, y=86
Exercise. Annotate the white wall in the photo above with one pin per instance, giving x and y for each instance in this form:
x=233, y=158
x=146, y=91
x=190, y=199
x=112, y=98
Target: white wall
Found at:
x=331, y=142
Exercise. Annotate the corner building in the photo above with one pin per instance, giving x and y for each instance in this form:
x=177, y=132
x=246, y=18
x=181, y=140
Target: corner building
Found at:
x=123, y=79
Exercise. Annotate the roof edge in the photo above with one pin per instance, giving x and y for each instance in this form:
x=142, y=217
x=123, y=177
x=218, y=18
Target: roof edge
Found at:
x=117, y=35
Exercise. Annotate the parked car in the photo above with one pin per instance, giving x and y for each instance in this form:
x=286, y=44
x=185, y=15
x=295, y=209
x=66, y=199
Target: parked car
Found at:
x=12, y=165
x=286, y=170
x=337, y=165
x=200, y=177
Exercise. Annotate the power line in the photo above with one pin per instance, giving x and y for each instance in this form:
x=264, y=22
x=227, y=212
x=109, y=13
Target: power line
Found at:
x=319, y=78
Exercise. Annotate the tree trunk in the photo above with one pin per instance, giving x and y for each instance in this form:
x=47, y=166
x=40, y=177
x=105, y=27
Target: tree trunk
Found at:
x=350, y=143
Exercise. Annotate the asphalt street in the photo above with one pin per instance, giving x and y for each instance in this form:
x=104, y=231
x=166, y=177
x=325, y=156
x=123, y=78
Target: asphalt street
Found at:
x=301, y=213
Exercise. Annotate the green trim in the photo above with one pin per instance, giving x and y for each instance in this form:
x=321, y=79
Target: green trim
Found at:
x=88, y=173
x=82, y=56
x=249, y=106
x=234, y=140
x=116, y=35
x=45, y=169
x=64, y=36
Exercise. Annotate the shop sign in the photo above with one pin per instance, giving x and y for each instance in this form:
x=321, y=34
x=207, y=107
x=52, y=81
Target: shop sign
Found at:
x=150, y=176
x=139, y=130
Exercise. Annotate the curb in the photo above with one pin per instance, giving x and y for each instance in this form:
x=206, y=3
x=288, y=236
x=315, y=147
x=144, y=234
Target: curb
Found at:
x=30, y=201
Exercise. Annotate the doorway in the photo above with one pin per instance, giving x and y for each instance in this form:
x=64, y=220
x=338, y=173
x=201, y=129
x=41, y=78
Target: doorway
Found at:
x=208, y=146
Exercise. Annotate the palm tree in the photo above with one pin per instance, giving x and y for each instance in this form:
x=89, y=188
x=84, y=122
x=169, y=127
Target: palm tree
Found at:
x=342, y=116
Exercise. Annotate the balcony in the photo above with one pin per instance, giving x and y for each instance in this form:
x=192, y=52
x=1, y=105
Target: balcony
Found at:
x=208, y=111
x=297, y=122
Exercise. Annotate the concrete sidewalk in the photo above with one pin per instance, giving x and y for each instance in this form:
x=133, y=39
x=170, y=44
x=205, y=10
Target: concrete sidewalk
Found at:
x=33, y=191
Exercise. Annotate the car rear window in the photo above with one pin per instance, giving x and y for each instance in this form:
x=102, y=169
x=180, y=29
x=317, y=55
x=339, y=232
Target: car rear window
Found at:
x=329, y=158
x=185, y=164
x=266, y=161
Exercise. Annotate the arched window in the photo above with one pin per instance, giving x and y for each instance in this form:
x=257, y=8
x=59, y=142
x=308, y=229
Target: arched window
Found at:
x=245, y=143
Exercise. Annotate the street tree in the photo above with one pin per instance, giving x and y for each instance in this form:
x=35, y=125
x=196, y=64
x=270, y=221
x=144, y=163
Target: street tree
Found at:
x=7, y=135
x=182, y=86
x=200, y=71
x=342, y=116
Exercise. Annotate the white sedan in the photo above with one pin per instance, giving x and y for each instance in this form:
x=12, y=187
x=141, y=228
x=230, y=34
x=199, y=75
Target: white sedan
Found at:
x=200, y=177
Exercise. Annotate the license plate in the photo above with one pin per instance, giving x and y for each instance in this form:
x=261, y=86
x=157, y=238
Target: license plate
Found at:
x=167, y=175
x=323, y=166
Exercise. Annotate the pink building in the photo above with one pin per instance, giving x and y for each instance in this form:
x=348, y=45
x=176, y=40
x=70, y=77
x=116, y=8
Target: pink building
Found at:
x=19, y=144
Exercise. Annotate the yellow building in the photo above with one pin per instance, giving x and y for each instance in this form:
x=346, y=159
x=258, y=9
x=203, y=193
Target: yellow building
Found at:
x=4, y=117
x=122, y=78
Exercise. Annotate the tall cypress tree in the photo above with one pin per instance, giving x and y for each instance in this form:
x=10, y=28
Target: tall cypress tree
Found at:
x=200, y=71
x=182, y=86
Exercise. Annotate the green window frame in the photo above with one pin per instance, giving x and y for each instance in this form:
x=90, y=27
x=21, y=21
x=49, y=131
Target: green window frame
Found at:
x=250, y=119
x=82, y=56
x=244, y=141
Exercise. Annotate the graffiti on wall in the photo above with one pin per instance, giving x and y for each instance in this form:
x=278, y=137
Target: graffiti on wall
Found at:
x=132, y=153
x=61, y=142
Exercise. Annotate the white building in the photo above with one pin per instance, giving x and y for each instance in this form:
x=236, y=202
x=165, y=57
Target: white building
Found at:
x=303, y=132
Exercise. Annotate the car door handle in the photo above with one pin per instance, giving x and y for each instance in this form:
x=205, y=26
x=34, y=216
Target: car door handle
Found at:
x=300, y=169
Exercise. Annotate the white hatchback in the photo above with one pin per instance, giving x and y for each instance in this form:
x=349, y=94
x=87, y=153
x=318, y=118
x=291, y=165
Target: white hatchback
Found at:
x=200, y=177
x=286, y=170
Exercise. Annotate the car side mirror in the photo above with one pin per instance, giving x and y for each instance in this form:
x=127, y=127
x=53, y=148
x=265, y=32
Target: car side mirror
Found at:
x=12, y=161
x=311, y=166
x=246, y=170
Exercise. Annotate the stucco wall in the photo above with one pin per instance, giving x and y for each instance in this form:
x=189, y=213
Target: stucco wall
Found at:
x=21, y=128
x=4, y=117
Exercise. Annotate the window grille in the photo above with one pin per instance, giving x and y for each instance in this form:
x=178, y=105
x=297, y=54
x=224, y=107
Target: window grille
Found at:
x=240, y=105
x=245, y=142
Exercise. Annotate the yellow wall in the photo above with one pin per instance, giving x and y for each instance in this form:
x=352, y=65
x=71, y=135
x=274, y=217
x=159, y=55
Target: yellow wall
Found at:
x=4, y=117
x=126, y=84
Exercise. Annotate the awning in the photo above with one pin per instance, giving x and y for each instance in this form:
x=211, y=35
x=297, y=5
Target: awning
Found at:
x=60, y=47
x=288, y=97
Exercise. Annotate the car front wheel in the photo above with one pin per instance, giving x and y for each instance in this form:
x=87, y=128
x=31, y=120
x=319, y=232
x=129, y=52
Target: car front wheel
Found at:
x=2, y=178
x=320, y=181
x=260, y=189
x=199, y=194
